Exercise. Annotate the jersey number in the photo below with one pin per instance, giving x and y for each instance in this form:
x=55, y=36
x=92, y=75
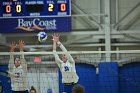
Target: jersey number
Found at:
x=66, y=68
x=18, y=74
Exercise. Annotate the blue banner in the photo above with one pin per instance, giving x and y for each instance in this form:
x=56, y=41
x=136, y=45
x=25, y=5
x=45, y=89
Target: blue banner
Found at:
x=47, y=24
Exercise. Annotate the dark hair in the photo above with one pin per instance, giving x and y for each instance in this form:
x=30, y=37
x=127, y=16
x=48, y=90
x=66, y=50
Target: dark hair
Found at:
x=16, y=57
x=32, y=88
x=0, y=83
x=1, y=87
x=78, y=89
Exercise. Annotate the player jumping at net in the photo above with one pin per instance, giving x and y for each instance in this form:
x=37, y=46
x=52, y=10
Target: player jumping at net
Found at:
x=66, y=63
x=18, y=69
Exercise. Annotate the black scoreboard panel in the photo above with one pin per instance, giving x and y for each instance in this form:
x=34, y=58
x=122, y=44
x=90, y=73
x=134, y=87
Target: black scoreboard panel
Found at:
x=24, y=8
x=34, y=8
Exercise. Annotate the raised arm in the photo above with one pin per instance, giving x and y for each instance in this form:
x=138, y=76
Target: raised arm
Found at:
x=22, y=58
x=13, y=45
x=65, y=51
x=57, y=59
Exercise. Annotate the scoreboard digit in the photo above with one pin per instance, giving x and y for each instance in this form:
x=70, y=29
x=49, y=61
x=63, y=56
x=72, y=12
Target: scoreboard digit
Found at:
x=18, y=8
x=62, y=7
x=7, y=9
x=50, y=7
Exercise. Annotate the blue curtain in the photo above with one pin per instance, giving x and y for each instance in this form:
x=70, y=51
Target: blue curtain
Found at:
x=129, y=78
x=108, y=77
x=5, y=80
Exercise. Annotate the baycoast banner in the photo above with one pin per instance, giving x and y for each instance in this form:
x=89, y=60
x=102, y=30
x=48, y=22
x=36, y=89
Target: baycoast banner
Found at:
x=47, y=24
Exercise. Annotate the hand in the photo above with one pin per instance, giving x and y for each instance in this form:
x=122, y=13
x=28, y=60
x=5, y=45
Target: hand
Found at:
x=21, y=44
x=13, y=45
x=55, y=37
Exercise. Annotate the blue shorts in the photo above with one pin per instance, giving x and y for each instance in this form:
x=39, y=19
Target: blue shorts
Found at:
x=67, y=87
x=20, y=91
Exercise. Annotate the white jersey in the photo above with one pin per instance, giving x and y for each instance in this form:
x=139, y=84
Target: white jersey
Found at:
x=68, y=70
x=18, y=83
x=18, y=74
x=69, y=74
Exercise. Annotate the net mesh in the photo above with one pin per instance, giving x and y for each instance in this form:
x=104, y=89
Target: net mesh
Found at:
x=44, y=75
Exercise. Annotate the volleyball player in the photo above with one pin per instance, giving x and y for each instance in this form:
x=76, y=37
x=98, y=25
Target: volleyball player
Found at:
x=78, y=89
x=18, y=69
x=1, y=88
x=32, y=90
x=66, y=63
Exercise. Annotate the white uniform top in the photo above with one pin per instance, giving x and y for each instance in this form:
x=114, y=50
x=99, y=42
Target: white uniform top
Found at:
x=18, y=83
x=18, y=74
x=68, y=70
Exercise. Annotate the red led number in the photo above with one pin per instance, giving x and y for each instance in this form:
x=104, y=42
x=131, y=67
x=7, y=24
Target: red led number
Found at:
x=8, y=8
x=63, y=7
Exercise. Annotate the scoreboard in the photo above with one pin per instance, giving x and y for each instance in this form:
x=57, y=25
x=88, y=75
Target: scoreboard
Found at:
x=24, y=8
x=35, y=15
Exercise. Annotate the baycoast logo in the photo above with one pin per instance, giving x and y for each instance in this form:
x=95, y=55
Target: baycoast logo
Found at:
x=36, y=24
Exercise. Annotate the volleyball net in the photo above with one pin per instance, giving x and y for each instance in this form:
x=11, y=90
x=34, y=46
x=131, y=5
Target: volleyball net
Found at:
x=43, y=73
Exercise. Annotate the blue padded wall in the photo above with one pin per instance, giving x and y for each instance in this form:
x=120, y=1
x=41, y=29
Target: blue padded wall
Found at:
x=5, y=80
x=108, y=77
x=129, y=78
x=87, y=78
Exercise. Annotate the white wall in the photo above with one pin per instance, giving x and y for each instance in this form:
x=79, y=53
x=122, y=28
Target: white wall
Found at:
x=126, y=5
x=132, y=18
x=87, y=7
